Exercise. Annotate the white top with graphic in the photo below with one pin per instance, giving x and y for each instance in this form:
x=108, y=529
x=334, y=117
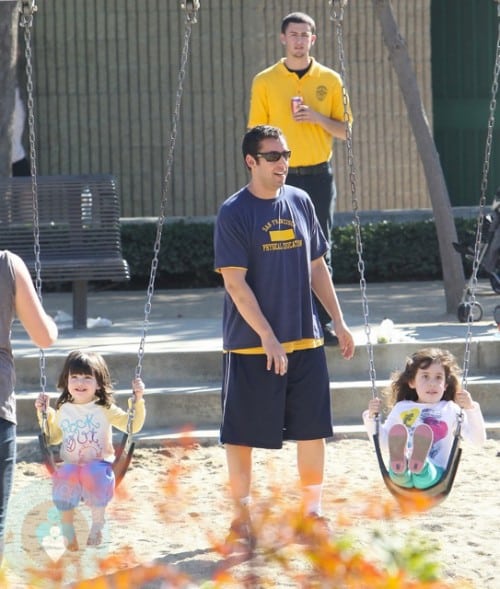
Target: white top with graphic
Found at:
x=85, y=430
x=441, y=417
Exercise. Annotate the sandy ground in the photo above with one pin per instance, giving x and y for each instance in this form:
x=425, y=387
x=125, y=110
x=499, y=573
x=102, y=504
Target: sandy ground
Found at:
x=172, y=509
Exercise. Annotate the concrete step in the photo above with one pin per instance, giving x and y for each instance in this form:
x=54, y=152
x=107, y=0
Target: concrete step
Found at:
x=197, y=406
x=28, y=448
x=165, y=368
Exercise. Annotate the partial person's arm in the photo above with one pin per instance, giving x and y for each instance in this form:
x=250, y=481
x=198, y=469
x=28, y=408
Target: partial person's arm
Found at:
x=244, y=298
x=39, y=325
x=324, y=289
x=336, y=128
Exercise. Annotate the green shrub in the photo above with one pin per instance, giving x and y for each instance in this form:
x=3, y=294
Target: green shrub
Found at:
x=185, y=258
x=391, y=252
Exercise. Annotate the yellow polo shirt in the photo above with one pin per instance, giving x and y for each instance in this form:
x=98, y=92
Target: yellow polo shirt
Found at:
x=270, y=104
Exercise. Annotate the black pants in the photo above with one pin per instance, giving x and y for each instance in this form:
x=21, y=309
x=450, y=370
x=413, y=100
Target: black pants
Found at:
x=21, y=168
x=323, y=192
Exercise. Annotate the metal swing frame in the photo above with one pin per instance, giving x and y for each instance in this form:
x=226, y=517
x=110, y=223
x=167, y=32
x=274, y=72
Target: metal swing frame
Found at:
x=423, y=498
x=125, y=448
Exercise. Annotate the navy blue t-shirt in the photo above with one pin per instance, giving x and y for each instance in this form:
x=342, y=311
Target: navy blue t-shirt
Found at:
x=275, y=240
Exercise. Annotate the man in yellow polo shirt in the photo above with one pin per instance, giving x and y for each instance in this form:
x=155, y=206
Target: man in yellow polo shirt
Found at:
x=316, y=115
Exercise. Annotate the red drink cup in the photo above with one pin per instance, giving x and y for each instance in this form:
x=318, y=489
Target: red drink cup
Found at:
x=296, y=102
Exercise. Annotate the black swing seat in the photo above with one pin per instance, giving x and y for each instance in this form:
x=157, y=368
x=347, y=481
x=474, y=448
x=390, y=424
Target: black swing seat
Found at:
x=123, y=456
x=124, y=451
x=422, y=498
x=48, y=457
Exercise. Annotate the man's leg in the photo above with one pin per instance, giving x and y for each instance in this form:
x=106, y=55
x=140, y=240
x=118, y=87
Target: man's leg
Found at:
x=239, y=464
x=311, y=465
x=311, y=462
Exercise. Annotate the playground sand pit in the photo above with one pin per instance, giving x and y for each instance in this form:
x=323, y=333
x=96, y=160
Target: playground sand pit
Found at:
x=172, y=510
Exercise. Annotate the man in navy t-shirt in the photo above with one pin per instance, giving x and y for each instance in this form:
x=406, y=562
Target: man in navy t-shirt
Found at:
x=269, y=248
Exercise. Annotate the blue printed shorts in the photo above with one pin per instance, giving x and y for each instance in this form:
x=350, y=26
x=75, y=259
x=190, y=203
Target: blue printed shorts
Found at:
x=93, y=482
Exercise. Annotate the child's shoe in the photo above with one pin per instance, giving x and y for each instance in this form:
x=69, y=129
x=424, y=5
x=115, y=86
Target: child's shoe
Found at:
x=398, y=438
x=422, y=442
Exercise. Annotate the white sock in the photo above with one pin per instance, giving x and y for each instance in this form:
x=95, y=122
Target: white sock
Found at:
x=245, y=501
x=311, y=496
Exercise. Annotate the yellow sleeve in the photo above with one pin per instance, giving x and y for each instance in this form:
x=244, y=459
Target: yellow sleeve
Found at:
x=259, y=108
x=119, y=418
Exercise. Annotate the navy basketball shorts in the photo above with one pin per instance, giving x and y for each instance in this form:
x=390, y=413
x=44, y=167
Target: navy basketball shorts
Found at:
x=262, y=409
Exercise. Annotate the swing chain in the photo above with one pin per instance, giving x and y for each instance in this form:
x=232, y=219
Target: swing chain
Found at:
x=354, y=200
x=166, y=183
x=26, y=21
x=191, y=7
x=482, y=204
x=337, y=10
x=27, y=10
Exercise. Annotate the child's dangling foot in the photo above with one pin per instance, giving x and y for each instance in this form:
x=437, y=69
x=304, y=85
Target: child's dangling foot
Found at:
x=68, y=530
x=95, y=534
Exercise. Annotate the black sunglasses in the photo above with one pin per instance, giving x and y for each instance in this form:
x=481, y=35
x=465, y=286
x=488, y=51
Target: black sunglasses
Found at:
x=274, y=156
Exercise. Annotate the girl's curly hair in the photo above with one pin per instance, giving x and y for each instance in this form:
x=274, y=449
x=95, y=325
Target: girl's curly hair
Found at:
x=92, y=363
x=399, y=388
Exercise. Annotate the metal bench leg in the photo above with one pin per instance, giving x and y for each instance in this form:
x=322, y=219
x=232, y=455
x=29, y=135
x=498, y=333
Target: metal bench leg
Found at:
x=80, y=304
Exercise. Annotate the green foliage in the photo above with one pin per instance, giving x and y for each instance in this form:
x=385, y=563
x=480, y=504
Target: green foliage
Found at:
x=413, y=553
x=185, y=258
x=391, y=252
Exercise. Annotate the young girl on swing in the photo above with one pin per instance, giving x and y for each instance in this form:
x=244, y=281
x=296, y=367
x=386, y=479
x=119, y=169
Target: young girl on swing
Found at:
x=426, y=399
x=82, y=423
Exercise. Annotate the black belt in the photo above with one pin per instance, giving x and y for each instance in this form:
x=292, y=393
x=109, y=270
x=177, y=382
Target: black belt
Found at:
x=310, y=170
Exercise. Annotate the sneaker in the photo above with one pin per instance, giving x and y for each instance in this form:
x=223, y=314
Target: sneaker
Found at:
x=398, y=438
x=240, y=537
x=422, y=442
x=329, y=337
x=312, y=528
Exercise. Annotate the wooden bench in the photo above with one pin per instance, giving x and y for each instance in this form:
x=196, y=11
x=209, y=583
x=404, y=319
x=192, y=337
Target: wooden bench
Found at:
x=79, y=227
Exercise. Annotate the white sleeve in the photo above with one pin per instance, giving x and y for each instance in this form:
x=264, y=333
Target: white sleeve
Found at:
x=473, y=427
x=371, y=429
x=369, y=424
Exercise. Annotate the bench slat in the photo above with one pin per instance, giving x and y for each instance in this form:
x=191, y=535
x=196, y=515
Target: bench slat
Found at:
x=79, y=230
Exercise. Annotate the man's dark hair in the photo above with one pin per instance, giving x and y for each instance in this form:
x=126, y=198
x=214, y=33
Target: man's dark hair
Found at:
x=298, y=17
x=254, y=137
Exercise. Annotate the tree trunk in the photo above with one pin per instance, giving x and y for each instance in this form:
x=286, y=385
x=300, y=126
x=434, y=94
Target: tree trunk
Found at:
x=451, y=263
x=8, y=52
